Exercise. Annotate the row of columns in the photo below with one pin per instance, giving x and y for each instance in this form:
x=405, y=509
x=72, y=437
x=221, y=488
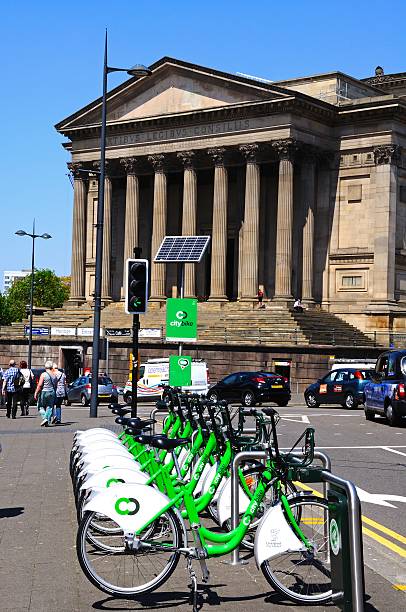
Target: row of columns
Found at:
x=286, y=150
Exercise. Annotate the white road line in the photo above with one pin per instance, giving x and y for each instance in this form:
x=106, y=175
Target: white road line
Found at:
x=392, y=450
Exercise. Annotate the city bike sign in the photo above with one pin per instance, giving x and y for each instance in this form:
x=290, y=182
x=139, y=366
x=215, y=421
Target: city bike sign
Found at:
x=181, y=319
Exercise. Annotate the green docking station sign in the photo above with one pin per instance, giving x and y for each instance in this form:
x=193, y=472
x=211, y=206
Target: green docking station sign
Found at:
x=180, y=371
x=181, y=319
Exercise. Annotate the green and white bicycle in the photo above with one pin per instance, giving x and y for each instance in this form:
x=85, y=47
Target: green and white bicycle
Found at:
x=148, y=528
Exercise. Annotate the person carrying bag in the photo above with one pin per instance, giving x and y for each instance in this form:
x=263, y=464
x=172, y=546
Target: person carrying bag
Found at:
x=45, y=393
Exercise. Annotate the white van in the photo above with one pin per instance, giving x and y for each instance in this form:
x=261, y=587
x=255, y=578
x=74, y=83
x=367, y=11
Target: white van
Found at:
x=154, y=375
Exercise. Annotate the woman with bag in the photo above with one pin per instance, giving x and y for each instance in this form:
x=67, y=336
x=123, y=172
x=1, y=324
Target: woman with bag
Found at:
x=60, y=394
x=26, y=389
x=46, y=393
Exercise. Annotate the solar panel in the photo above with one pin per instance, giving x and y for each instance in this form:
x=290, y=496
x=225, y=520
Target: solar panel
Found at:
x=182, y=249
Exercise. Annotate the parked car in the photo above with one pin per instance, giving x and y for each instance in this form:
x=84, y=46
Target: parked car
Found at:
x=250, y=388
x=385, y=393
x=343, y=386
x=80, y=389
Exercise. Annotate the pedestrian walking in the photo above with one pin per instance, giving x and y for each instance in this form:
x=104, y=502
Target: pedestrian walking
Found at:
x=60, y=395
x=260, y=297
x=1, y=387
x=45, y=394
x=27, y=386
x=12, y=385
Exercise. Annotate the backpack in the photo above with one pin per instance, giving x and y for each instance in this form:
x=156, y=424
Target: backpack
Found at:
x=18, y=381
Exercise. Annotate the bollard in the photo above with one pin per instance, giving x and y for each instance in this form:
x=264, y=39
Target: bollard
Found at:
x=345, y=544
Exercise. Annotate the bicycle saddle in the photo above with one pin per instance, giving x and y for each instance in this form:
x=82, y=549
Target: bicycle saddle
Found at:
x=270, y=411
x=120, y=410
x=162, y=442
x=135, y=423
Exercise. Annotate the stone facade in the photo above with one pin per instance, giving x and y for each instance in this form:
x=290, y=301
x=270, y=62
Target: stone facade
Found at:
x=301, y=185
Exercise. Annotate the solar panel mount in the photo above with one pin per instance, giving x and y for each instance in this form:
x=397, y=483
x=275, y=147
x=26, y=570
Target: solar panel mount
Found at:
x=182, y=249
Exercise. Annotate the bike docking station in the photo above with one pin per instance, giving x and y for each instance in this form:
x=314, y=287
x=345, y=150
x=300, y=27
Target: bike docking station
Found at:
x=344, y=525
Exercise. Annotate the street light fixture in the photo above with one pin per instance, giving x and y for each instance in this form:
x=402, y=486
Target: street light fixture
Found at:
x=33, y=236
x=138, y=71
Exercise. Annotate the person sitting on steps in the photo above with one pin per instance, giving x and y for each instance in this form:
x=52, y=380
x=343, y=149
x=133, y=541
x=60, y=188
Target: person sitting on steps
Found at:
x=298, y=306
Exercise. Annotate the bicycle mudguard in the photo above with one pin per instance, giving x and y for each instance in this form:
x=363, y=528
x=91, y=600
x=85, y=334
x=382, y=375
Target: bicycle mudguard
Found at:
x=274, y=535
x=224, y=502
x=108, y=462
x=129, y=505
x=208, y=482
x=201, y=480
x=114, y=476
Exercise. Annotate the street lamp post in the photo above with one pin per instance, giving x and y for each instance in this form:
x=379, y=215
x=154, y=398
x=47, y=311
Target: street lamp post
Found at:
x=139, y=71
x=33, y=236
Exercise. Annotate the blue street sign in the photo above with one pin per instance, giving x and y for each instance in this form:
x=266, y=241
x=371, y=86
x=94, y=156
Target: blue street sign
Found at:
x=36, y=331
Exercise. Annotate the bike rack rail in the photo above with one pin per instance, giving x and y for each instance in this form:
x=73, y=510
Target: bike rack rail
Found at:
x=354, y=516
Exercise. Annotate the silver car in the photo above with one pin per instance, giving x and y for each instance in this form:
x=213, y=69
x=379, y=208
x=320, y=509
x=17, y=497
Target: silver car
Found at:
x=79, y=390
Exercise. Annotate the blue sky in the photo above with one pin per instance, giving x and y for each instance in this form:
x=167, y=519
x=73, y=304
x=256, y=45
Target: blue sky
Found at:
x=52, y=60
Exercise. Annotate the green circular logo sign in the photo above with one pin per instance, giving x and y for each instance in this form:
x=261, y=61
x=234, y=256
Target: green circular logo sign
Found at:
x=127, y=506
x=335, y=539
x=114, y=481
x=181, y=314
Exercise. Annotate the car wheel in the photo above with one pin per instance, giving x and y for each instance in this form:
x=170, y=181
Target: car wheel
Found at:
x=83, y=400
x=350, y=402
x=66, y=402
x=248, y=399
x=128, y=399
x=213, y=396
x=282, y=403
x=311, y=400
x=369, y=415
x=391, y=415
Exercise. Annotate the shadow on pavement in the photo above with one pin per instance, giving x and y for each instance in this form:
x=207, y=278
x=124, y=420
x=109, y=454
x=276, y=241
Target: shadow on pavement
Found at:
x=153, y=601
x=11, y=512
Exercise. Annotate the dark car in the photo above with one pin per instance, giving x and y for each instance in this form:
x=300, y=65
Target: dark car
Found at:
x=250, y=388
x=80, y=389
x=343, y=386
x=385, y=393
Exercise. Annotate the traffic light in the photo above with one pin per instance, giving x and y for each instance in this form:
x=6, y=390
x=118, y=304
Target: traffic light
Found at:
x=136, y=298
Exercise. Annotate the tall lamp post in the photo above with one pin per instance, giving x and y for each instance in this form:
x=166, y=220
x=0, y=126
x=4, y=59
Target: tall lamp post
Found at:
x=33, y=236
x=139, y=71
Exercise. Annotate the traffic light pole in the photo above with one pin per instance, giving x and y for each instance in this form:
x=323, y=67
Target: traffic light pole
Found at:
x=182, y=295
x=134, y=374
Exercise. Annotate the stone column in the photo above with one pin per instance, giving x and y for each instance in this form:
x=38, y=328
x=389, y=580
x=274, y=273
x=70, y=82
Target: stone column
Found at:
x=219, y=228
x=158, y=271
x=189, y=215
x=77, y=293
x=284, y=225
x=250, y=249
x=132, y=203
x=308, y=185
x=106, y=264
x=387, y=158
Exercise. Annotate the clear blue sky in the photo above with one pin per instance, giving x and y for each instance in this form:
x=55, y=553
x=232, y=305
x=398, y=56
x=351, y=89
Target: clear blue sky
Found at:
x=52, y=61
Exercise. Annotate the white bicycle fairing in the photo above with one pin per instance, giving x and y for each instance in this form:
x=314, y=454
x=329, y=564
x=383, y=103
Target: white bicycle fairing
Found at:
x=224, y=502
x=114, y=476
x=274, y=535
x=129, y=505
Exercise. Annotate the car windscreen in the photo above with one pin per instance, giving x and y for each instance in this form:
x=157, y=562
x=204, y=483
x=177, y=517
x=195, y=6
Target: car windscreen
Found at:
x=103, y=380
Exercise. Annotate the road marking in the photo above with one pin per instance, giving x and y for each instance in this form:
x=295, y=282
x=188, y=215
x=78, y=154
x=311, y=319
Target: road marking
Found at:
x=400, y=587
x=389, y=532
x=348, y=447
x=296, y=418
x=394, y=547
x=392, y=450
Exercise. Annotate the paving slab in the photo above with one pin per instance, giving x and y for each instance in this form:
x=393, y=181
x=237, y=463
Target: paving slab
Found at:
x=39, y=571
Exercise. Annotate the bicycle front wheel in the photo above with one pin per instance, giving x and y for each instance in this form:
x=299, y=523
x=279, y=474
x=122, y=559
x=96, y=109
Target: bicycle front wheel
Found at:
x=304, y=577
x=124, y=572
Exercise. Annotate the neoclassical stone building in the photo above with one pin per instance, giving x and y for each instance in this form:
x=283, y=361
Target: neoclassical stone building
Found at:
x=301, y=184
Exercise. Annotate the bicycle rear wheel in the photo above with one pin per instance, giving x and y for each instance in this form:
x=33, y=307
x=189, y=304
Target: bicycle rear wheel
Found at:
x=304, y=577
x=123, y=572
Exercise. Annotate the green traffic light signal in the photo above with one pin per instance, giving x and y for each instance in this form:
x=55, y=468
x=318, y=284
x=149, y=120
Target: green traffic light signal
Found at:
x=136, y=286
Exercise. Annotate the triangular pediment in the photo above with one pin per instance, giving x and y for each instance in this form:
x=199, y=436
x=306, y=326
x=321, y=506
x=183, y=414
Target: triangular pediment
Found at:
x=174, y=87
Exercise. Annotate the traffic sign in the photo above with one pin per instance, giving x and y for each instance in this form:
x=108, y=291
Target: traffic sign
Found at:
x=181, y=319
x=36, y=331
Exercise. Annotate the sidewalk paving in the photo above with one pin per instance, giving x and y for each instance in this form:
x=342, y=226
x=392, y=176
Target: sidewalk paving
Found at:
x=39, y=571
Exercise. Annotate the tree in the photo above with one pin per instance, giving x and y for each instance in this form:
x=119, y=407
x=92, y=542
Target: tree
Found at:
x=5, y=314
x=49, y=291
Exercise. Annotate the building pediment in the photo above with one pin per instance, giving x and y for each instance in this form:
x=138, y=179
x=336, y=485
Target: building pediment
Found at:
x=173, y=87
